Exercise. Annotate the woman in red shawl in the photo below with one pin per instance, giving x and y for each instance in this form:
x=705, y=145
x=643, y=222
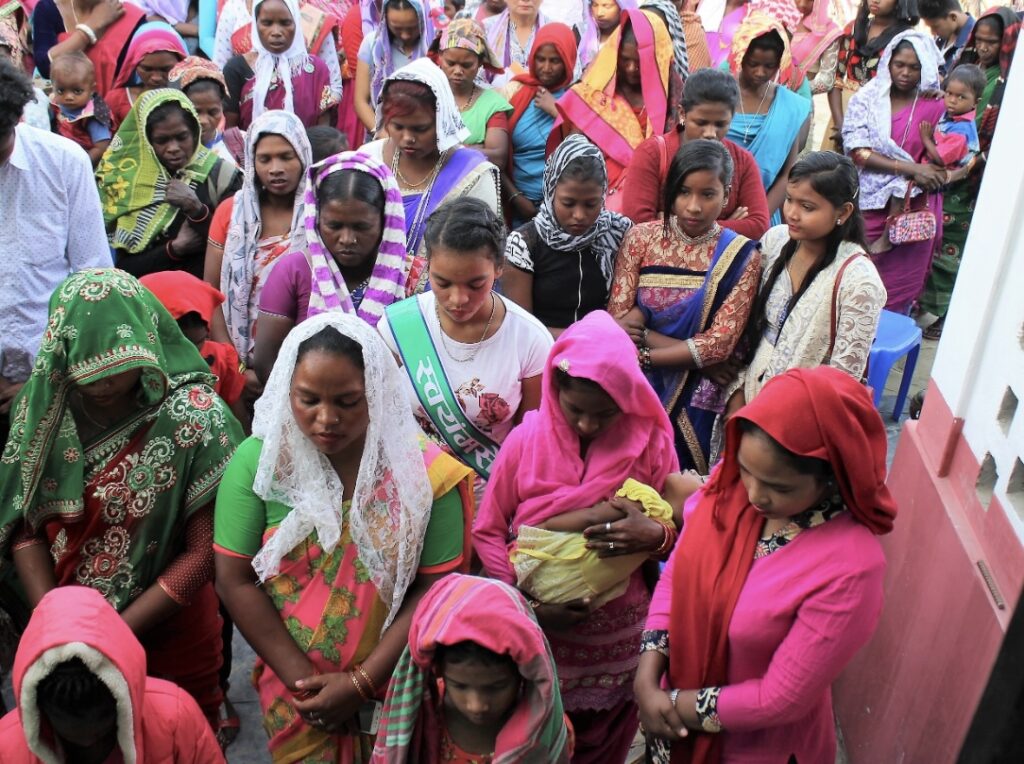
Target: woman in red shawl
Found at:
x=776, y=582
x=533, y=97
x=493, y=679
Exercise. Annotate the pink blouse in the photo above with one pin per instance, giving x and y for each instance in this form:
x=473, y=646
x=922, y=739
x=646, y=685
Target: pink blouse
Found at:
x=804, y=612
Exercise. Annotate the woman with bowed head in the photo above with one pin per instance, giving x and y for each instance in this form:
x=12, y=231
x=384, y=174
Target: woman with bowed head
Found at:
x=562, y=260
x=470, y=689
x=991, y=46
x=815, y=45
x=404, y=36
x=155, y=49
x=116, y=448
x=533, y=96
x=599, y=423
x=423, y=148
x=472, y=358
x=624, y=97
x=462, y=51
x=278, y=73
x=202, y=81
x=602, y=20
x=710, y=98
x=159, y=186
x=353, y=258
x=255, y=228
x=683, y=289
x=773, y=120
x=881, y=135
x=776, y=582
x=333, y=519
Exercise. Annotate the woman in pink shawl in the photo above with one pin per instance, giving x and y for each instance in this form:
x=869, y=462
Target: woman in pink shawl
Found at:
x=599, y=423
x=815, y=45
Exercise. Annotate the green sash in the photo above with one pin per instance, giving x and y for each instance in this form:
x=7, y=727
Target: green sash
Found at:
x=421, y=363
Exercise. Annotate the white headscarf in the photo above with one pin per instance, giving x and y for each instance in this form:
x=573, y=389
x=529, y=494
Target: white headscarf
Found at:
x=240, y=280
x=267, y=63
x=451, y=130
x=392, y=498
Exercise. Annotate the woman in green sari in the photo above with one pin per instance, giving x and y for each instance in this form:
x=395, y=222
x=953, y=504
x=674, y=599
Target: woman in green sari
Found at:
x=991, y=46
x=116, y=448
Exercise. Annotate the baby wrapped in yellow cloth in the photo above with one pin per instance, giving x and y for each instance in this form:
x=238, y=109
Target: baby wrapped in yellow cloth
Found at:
x=555, y=566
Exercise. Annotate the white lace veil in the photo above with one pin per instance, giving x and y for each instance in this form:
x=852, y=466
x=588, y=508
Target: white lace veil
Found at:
x=392, y=498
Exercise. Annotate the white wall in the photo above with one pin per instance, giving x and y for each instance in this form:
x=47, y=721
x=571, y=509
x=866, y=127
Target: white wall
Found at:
x=979, y=366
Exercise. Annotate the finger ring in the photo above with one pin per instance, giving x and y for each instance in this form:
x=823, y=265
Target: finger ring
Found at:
x=611, y=546
x=608, y=527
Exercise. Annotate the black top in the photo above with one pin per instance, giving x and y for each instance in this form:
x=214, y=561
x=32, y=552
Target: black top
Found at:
x=566, y=285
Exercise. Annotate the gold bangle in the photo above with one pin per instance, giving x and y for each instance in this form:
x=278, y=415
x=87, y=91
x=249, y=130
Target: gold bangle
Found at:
x=369, y=681
x=359, y=687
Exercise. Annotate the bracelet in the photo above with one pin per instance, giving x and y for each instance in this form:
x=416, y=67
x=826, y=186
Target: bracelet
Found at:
x=667, y=542
x=170, y=252
x=644, y=357
x=206, y=214
x=87, y=31
x=359, y=687
x=673, y=696
x=364, y=675
x=534, y=603
x=896, y=167
x=513, y=196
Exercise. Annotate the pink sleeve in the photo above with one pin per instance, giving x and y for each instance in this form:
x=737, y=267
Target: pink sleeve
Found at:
x=497, y=510
x=661, y=600
x=830, y=627
x=280, y=295
x=952, y=147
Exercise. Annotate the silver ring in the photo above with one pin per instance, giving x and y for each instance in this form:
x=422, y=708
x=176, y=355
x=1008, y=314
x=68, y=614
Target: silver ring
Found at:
x=611, y=546
x=608, y=527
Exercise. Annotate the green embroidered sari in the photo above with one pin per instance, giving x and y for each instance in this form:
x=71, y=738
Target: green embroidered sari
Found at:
x=113, y=509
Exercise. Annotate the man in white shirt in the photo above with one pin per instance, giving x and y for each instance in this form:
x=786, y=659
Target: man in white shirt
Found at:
x=51, y=225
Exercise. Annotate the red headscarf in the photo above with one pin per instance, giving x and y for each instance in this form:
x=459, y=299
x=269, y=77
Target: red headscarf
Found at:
x=181, y=293
x=820, y=412
x=564, y=40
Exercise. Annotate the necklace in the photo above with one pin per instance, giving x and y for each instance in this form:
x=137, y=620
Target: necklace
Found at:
x=101, y=426
x=476, y=345
x=704, y=238
x=412, y=239
x=428, y=177
x=469, y=103
x=746, y=130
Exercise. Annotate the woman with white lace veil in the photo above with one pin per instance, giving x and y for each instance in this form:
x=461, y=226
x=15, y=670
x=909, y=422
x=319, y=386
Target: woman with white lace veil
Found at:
x=333, y=519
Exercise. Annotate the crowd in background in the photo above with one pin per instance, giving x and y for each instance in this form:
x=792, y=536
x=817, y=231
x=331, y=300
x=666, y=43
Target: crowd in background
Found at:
x=494, y=369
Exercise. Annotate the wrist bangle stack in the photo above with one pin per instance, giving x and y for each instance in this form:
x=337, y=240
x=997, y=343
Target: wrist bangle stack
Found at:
x=369, y=682
x=87, y=31
x=644, y=357
x=668, y=540
x=358, y=686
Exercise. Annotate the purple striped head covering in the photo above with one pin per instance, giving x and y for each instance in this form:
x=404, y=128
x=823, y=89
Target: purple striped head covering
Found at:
x=391, y=269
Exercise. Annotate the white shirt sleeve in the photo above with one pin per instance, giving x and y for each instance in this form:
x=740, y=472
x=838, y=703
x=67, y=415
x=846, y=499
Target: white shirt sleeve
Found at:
x=87, y=246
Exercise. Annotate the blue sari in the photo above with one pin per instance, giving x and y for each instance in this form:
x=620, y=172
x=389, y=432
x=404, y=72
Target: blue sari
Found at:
x=769, y=137
x=686, y=394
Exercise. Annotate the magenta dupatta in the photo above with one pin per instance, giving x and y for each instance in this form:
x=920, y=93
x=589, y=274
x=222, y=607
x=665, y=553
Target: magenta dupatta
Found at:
x=813, y=36
x=539, y=472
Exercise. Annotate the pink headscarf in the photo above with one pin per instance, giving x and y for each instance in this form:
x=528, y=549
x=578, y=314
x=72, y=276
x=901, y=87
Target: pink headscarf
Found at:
x=151, y=37
x=813, y=35
x=539, y=473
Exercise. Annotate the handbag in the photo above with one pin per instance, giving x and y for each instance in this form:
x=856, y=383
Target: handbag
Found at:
x=911, y=226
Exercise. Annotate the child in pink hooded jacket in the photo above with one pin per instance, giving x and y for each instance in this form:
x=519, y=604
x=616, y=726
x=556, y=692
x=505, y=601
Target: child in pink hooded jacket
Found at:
x=83, y=695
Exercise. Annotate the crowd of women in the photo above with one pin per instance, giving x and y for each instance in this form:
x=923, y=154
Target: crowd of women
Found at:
x=533, y=421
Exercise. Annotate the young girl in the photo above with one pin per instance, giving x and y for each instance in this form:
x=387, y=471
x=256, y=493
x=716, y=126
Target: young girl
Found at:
x=278, y=73
x=821, y=297
x=203, y=83
x=562, y=260
x=473, y=359
x=154, y=51
x=471, y=689
x=82, y=114
x=683, y=290
x=404, y=36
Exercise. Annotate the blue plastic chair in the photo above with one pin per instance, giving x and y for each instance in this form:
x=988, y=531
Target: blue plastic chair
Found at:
x=897, y=336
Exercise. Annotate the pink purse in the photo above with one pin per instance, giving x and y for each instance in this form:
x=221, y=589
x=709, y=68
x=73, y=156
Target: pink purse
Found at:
x=911, y=226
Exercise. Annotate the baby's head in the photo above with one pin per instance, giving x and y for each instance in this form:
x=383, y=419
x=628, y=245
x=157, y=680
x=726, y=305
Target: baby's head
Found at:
x=964, y=87
x=74, y=80
x=479, y=684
